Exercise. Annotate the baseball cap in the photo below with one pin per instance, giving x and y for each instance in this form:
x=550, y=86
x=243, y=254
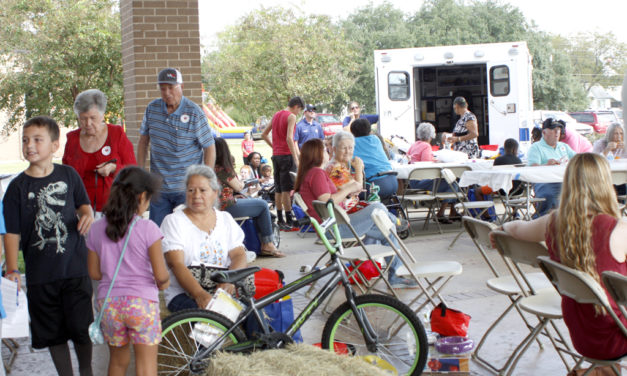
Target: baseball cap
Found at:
x=310, y=107
x=551, y=123
x=170, y=76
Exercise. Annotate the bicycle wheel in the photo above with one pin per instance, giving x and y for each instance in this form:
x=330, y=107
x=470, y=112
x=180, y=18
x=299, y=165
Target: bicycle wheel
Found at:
x=185, y=333
x=402, y=340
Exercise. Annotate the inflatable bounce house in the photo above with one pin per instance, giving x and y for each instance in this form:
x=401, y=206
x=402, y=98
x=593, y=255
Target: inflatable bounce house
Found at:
x=221, y=122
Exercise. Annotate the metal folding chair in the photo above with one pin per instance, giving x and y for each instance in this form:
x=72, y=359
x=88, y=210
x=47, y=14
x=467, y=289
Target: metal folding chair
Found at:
x=360, y=252
x=479, y=232
x=464, y=206
x=411, y=195
x=431, y=276
x=583, y=289
x=545, y=304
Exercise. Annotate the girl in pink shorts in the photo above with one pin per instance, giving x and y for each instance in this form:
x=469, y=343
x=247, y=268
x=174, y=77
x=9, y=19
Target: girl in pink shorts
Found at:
x=132, y=313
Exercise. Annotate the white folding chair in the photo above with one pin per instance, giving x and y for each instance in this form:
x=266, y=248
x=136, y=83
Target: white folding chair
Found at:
x=464, y=206
x=431, y=276
x=411, y=195
x=479, y=232
x=545, y=304
x=583, y=289
x=362, y=252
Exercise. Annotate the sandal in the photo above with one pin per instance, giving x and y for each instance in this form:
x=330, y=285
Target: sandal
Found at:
x=275, y=253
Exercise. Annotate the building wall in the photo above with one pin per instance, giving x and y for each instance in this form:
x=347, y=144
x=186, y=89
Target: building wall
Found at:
x=157, y=34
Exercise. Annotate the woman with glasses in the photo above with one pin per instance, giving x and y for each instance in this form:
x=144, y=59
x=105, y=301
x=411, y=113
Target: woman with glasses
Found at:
x=354, y=111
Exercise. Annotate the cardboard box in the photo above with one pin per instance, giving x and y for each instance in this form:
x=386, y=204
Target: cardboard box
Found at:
x=445, y=364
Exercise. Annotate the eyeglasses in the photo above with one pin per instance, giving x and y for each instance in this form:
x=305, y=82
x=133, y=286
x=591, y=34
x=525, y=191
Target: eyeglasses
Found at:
x=354, y=107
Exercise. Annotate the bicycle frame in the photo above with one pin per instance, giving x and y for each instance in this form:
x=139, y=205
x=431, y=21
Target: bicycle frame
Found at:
x=334, y=268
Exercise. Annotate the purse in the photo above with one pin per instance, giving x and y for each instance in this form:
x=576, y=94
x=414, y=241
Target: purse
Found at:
x=449, y=322
x=202, y=275
x=95, y=332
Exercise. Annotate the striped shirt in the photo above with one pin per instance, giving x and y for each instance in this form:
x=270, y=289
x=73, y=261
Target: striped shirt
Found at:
x=177, y=140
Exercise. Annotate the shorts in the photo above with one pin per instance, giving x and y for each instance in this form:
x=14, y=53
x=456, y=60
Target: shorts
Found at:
x=283, y=165
x=59, y=311
x=130, y=319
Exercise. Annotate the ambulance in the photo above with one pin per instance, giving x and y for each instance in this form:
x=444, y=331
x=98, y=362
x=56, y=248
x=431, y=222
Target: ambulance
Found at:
x=415, y=85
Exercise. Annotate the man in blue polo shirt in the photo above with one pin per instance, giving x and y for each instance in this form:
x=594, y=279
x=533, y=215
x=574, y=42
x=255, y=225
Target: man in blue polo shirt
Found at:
x=308, y=128
x=549, y=151
x=179, y=136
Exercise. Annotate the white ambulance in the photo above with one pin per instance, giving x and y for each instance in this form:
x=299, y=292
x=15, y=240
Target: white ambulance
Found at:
x=415, y=85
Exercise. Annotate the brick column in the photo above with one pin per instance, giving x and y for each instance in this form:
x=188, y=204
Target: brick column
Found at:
x=157, y=34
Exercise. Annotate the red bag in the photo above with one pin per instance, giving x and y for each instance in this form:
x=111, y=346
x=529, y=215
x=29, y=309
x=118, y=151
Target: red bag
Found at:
x=366, y=268
x=267, y=281
x=449, y=322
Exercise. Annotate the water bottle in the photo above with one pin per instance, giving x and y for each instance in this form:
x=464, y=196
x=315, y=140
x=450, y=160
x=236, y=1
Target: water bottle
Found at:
x=610, y=156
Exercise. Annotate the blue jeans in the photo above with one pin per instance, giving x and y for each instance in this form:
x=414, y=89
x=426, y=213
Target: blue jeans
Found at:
x=551, y=193
x=388, y=185
x=363, y=225
x=164, y=204
x=180, y=302
x=257, y=209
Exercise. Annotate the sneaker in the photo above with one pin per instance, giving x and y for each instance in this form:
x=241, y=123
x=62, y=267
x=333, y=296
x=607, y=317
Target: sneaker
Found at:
x=286, y=227
x=402, y=282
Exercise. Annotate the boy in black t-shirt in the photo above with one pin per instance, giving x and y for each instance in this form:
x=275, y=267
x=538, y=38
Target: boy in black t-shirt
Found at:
x=47, y=212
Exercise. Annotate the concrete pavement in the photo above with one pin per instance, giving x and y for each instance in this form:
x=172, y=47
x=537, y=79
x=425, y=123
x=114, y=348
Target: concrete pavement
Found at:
x=466, y=292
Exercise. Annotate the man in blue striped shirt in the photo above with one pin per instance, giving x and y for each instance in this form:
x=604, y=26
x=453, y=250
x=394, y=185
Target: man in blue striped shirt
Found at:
x=179, y=136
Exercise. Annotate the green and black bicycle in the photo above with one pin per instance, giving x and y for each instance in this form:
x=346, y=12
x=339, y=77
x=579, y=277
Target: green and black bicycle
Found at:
x=377, y=325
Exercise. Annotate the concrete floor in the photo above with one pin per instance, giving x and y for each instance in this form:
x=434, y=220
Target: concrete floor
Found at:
x=466, y=292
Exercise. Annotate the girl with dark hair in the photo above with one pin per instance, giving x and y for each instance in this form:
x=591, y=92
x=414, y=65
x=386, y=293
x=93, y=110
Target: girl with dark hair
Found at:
x=142, y=272
x=313, y=183
x=255, y=208
x=253, y=169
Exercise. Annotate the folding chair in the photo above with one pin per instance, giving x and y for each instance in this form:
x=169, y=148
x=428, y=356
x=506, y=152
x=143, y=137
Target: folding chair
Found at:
x=545, y=304
x=370, y=252
x=479, y=232
x=464, y=206
x=411, y=195
x=436, y=274
x=583, y=289
x=616, y=286
x=298, y=200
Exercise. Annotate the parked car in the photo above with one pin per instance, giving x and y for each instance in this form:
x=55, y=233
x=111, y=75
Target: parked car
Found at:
x=599, y=120
x=331, y=124
x=541, y=115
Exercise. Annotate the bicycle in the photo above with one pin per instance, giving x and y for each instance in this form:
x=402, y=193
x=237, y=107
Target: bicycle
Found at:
x=367, y=324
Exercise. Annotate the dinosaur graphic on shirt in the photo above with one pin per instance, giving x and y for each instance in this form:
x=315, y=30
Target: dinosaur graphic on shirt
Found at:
x=49, y=223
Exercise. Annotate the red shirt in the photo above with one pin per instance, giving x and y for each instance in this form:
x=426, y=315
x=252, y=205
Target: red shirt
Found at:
x=248, y=146
x=279, y=133
x=592, y=335
x=315, y=184
x=116, y=146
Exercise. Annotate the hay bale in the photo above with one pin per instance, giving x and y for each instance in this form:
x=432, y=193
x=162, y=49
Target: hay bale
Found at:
x=295, y=360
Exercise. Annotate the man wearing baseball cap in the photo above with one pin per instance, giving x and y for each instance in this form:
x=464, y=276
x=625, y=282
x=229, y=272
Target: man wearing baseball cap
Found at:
x=549, y=151
x=308, y=128
x=178, y=134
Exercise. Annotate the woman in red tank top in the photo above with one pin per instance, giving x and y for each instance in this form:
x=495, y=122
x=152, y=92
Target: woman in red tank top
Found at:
x=585, y=233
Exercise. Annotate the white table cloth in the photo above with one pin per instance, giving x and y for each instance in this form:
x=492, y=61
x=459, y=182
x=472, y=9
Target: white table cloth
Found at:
x=475, y=164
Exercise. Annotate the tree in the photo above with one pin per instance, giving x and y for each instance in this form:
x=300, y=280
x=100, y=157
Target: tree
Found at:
x=271, y=54
x=375, y=28
x=453, y=22
x=51, y=50
x=597, y=58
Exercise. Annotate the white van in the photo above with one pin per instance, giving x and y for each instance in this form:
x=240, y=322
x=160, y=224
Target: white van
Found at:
x=414, y=85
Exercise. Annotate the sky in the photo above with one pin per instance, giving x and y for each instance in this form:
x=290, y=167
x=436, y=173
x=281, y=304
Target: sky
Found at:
x=550, y=15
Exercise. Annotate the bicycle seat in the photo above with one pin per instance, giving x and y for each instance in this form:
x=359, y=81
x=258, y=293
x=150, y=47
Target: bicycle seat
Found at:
x=232, y=276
